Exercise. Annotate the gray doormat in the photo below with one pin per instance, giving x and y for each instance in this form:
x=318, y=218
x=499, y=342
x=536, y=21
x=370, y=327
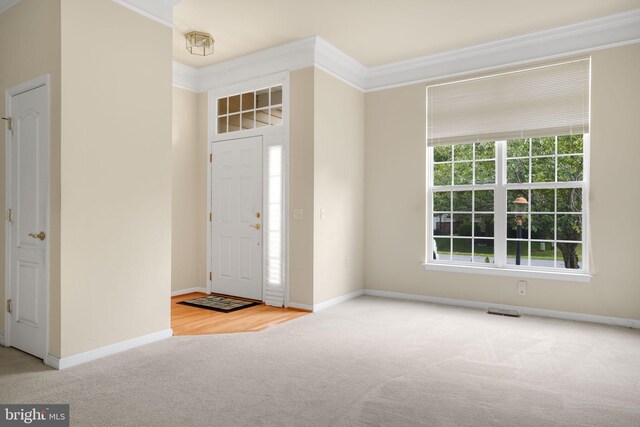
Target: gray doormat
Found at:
x=218, y=303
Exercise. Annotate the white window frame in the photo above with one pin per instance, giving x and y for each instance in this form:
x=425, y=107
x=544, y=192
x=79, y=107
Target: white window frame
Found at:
x=500, y=266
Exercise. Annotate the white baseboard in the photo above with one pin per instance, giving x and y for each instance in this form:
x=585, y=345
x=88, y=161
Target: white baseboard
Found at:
x=307, y=307
x=328, y=303
x=2, y=340
x=98, y=353
x=337, y=300
x=188, y=291
x=565, y=315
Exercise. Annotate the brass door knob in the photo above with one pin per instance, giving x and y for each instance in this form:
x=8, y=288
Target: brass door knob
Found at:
x=41, y=235
x=257, y=226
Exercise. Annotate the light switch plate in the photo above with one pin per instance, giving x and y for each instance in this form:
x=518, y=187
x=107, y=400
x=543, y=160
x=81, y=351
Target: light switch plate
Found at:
x=298, y=214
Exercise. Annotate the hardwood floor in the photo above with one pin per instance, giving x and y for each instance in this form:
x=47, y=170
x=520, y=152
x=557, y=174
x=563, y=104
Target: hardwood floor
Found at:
x=187, y=320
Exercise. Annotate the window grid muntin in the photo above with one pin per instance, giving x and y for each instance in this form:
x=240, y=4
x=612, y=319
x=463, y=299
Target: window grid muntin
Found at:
x=274, y=109
x=453, y=188
x=501, y=206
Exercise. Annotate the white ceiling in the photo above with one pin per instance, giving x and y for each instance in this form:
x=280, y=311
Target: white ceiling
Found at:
x=374, y=32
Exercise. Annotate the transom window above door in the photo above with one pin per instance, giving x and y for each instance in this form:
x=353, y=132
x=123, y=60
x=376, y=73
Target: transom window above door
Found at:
x=250, y=110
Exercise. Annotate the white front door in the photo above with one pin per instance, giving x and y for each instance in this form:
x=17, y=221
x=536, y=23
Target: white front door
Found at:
x=28, y=187
x=236, y=183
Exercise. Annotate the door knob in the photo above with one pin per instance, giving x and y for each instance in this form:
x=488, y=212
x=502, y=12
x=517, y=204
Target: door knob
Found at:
x=41, y=235
x=257, y=226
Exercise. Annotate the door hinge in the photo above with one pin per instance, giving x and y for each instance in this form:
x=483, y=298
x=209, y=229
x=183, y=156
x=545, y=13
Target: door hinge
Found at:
x=9, y=215
x=210, y=276
x=8, y=119
x=9, y=306
x=210, y=158
x=210, y=216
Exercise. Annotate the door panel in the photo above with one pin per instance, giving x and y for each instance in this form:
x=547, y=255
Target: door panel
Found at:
x=236, y=185
x=28, y=188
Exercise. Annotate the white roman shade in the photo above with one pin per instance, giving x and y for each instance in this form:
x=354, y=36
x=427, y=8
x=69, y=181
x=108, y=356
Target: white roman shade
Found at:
x=542, y=101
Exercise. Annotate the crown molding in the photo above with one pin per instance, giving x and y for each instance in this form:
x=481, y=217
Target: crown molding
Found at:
x=158, y=10
x=601, y=33
x=309, y=52
x=186, y=77
x=584, y=37
x=340, y=65
x=6, y=4
x=286, y=57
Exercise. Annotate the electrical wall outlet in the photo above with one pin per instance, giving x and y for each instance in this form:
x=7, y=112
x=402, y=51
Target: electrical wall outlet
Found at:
x=347, y=262
x=298, y=214
x=522, y=288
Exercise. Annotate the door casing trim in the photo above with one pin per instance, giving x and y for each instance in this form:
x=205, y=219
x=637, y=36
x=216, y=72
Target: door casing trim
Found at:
x=43, y=80
x=269, y=134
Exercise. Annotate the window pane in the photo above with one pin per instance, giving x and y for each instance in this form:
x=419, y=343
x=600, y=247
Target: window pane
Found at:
x=234, y=104
x=442, y=154
x=262, y=118
x=483, y=201
x=570, y=168
x=461, y=224
x=542, y=227
x=570, y=144
x=485, y=150
x=463, y=152
x=463, y=173
x=569, y=255
x=441, y=201
x=276, y=116
x=442, y=174
x=222, y=106
x=518, y=148
x=485, y=172
x=570, y=200
x=443, y=248
x=518, y=170
x=222, y=124
x=461, y=250
x=543, y=169
x=512, y=246
x=248, y=120
x=543, y=146
x=542, y=254
x=276, y=95
x=248, y=101
x=442, y=224
x=483, y=225
x=462, y=201
x=542, y=200
x=513, y=195
x=262, y=98
x=569, y=227
x=234, y=123
x=483, y=251
x=512, y=228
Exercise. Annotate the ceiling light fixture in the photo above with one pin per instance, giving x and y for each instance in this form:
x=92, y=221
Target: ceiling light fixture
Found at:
x=199, y=43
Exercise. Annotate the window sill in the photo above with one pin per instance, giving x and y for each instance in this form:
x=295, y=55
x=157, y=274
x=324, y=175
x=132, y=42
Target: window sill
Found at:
x=509, y=272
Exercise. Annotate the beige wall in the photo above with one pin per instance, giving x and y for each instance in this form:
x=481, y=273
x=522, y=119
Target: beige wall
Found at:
x=395, y=201
x=30, y=47
x=116, y=175
x=189, y=186
x=338, y=188
x=301, y=186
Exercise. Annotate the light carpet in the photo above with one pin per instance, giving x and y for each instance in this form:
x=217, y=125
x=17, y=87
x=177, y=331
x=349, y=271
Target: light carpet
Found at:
x=368, y=361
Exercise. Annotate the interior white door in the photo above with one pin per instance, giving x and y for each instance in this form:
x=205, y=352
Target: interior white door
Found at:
x=236, y=227
x=28, y=187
